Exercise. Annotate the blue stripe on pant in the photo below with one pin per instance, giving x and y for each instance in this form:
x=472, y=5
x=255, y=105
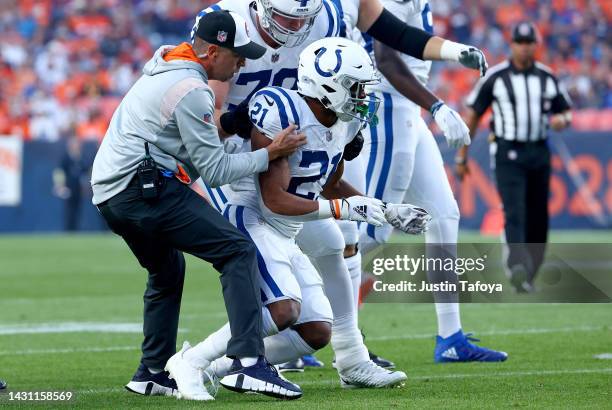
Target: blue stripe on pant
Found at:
x=263, y=269
x=218, y=198
x=387, y=155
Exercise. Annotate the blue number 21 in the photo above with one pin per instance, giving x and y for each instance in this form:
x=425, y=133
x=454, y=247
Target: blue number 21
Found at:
x=258, y=108
x=309, y=158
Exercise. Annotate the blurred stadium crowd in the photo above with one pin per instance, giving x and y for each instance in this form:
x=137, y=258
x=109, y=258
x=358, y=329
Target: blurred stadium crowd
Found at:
x=65, y=64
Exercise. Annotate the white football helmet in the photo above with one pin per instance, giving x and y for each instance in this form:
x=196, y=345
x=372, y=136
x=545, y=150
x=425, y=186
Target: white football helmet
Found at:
x=335, y=71
x=297, y=18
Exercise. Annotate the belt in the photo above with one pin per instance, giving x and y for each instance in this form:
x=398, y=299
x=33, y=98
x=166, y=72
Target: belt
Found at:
x=519, y=143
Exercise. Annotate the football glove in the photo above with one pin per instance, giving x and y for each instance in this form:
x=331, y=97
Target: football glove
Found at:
x=472, y=57
x=237, y=121
x=360, y=209
x=353, y=148
x=454, y=129
x=407, y=218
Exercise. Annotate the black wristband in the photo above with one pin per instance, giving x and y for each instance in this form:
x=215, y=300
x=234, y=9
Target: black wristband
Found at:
x=396, y=34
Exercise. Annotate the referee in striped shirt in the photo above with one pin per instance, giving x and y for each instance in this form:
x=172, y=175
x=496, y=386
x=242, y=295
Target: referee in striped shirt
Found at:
x=526, y=99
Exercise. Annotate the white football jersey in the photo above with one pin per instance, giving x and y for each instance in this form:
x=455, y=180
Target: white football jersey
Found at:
x=278, y=66
x=415, y=13
x=271, y=110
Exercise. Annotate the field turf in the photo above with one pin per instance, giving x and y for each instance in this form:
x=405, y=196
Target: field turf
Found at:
x=70, y=317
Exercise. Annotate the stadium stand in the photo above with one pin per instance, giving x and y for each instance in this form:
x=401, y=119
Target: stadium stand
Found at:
x=64, y=64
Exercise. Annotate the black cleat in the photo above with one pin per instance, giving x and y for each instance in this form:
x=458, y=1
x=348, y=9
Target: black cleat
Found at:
x=261, y=378
x=2, y=385
x=381, y=361
x=148, y=384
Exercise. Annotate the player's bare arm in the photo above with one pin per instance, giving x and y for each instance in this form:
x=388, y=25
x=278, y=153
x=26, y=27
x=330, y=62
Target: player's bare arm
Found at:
x=275, y=181
x=461, y=165
x=399, y=75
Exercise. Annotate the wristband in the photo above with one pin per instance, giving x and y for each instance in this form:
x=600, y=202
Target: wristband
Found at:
x=451, y=51
x=435, y=107
x=325, y=209
x=460, y=160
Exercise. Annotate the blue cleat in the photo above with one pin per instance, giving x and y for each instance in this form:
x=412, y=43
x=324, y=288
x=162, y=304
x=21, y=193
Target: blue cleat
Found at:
x=261, y=378
x=457, y=348
x=2, y=385
x=311, y=361
x=148, y=384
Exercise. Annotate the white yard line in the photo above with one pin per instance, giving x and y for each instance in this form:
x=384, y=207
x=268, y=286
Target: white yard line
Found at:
x=101, y=327
x=135, y=347
x=72, y=327
x=494, y=333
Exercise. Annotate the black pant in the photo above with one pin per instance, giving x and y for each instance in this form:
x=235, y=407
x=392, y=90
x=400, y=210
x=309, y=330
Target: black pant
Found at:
x=522, y=171
x=157, y=231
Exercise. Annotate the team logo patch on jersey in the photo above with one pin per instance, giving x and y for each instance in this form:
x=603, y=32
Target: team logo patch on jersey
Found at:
x=328, y=135
x=208, y=118
x=275, y=57
x=222, y=36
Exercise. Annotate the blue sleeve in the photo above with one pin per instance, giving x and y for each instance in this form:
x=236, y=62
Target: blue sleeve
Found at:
x=271, y=110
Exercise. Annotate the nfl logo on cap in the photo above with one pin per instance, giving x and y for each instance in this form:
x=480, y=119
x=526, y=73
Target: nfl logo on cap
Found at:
x=228, y=30
x=524, y=29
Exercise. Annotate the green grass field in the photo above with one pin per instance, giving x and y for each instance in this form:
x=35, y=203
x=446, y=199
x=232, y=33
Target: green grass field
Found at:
x=70, y=314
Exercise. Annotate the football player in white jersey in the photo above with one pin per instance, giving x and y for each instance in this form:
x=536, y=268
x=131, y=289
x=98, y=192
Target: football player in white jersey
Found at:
x=286, y=28
x=400, y=165
x=330, y=108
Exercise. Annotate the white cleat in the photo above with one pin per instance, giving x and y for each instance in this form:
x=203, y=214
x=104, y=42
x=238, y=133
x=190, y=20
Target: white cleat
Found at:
x=187, y=377
x=369, y=375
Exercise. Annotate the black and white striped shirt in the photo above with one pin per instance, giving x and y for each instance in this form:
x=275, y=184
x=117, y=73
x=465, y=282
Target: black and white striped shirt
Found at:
x=521, y=99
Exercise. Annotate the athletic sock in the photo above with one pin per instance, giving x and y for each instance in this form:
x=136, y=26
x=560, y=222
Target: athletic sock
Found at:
x=215, y=345
x=211, y=348
x=347, y=343
x=449, y=321
x=248, y=361
x=286, y=346
x=353, y=263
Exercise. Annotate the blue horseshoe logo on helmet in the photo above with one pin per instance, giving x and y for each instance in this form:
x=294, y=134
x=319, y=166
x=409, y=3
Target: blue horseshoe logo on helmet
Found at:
x=335, y=69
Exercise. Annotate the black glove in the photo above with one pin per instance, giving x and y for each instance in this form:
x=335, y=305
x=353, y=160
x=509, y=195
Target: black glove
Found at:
x=353, y=148
x=237, y=121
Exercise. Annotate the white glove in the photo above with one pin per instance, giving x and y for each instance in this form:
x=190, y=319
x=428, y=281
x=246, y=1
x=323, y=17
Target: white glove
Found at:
x=407, y=218
x=468, y=56
x=360, y=209
x=456, y=132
